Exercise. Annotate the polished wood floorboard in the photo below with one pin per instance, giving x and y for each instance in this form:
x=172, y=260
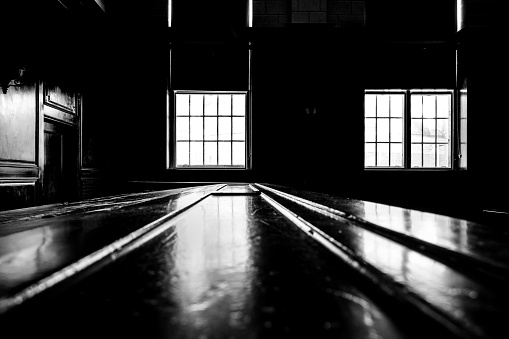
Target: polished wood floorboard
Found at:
x=246, y=261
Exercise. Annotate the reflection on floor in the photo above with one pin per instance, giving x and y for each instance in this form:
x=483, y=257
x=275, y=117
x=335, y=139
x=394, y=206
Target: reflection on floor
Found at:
x=248, y=261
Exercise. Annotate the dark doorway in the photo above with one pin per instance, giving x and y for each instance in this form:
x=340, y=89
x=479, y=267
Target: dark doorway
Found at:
x=60, y=163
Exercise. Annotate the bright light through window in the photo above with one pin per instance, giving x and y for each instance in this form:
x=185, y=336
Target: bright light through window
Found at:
x=169, y=12
x=210, y=129
x=407, y=129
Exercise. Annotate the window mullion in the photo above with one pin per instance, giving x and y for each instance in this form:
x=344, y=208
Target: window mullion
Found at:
x=407, y=137
x=390, y=98
x=376, y=130
x=217, y=128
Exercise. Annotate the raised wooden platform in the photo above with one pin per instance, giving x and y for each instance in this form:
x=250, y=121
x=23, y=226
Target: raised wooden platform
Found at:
x=248, y=261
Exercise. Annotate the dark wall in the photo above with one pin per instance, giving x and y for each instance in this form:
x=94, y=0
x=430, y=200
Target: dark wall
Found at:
x=307, y=82
x=307, y=98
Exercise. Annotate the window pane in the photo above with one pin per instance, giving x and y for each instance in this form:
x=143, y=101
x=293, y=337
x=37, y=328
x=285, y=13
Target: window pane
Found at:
x=225, y=104
x=464, y=154
x=210, y=104
x=382, y=154
x=397, y=155
x=239, y=153
x=443, y=156
x=211, y=153
x=397, y=105
x=196, y=107
x=416, y=106
x=210, y=128
x=182, y=104
x=416, y=127
x=239, y=104
x=382, y=130
x=370, y=105
x=182, y=128
x=397, y=130
x=370, y=129
x=196, y=128
x=369, y=155
x=429, y=155
x=428, y=106
x=382, y=105
x=416, y=158
x=196, y=153
x=225, y=153
x=182, y=153
x=225, y=129
x=239, y=128
x=443, y=105
x=442, y=130
x=429, y=130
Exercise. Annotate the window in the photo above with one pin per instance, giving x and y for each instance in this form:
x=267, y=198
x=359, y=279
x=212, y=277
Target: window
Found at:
x=210, y=129
x=408, y=129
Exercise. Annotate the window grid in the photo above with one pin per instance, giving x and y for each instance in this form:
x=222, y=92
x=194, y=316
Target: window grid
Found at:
x=442, y=147
x=232, y=140
x=392, y=122
x=435, y=142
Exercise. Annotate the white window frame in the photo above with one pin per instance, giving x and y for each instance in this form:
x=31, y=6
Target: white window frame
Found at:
x=172, y=149
x=406, y=140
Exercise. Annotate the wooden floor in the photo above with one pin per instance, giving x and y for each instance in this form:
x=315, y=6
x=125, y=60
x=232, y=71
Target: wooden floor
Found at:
x=248, y=261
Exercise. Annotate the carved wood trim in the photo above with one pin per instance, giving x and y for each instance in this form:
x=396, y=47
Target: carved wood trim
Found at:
x=73, y=109
x=56, y=115
x=17, y=172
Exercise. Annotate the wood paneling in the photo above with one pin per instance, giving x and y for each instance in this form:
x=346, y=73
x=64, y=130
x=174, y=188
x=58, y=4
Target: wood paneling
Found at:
x=18, y=122
x=17, y=195
x=61, y=97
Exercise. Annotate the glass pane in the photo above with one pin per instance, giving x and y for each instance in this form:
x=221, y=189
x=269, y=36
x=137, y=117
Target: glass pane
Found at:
x=397, y=105
x=210, y=104
x=370, y=105
x=463, y=130
x=416, y=106
x=182, y=153
x=429, y=155
x=239, y=104
x=182, y=128
x=239, y=128
x=463, y=159
x=428, y=106
x=416, y=157
x=182, y=104
x=225, y=129
x=463, y=103
x=370, y=129
x=382, y=105
x=443, y=156
x=429, y=130
x=382, y=154
x=225, y=104
x=397, y=155
x=211, y=153
x=196, y=153
x=442, y=130
x=196, y=104
x=416, y=127
x=210, y=128
x=382, y=130
x=239, y=153
x=443, y=105
x=397, y=130
x=369, y=155
x=196, y=128
x=225, y=153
